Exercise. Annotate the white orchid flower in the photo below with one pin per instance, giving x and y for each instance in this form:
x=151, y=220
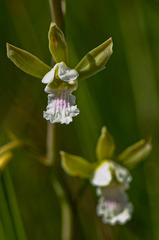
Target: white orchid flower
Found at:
x=112, y=180
x=61, y=82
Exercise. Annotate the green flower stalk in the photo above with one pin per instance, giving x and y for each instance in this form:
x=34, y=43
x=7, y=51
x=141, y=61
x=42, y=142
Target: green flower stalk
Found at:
x=61, y=80
x=110, y=175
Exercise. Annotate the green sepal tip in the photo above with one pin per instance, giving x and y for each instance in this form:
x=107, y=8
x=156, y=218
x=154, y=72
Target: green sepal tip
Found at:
x=27, y=62
x=105, y=145
x=134, y=154
x=57, y=44
x=95, y=60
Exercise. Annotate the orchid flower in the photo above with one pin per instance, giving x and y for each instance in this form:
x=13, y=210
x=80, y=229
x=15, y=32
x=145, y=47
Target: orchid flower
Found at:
x=60, y=79
x=110, y=175
x=111, y=181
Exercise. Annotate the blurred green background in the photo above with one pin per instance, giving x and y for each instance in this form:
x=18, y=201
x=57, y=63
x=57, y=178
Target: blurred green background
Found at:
x=124, y=97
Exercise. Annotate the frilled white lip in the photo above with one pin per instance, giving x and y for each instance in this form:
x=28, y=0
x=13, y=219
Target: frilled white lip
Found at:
x=64, y=73
x=113, y=205
x=61, y=107
x=103, y=174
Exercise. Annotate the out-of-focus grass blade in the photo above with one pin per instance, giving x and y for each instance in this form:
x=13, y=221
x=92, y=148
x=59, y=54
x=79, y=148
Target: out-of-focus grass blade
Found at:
x=5, y=215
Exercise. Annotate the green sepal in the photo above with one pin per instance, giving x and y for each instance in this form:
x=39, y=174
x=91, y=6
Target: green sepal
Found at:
x=105, y=145
x=27, y=62
x=95, y=60
x=135, y=153
x=57, y=44
x=76, y=166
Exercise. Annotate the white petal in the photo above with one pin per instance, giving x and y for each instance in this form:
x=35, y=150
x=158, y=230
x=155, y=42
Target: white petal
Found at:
x=48, y=89
x=124, y=216
x=113, y=205
x=102, y=175
x=66, y=74
x=121, y=218
x=49, y=76
x=122, y=174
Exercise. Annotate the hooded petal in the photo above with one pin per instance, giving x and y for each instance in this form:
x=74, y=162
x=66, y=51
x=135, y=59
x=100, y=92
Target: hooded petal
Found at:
x=108, y=171
x=122, y=174
x=61, y=73
x=49, y=76
x=66, y=74
x=102, y=175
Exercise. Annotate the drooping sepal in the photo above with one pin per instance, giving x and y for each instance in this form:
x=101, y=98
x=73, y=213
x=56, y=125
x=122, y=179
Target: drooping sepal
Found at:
x=105, y=145
x=27, y=62
x=95, y=60
x=76, y=166
x=135, y=153
x=57, y=44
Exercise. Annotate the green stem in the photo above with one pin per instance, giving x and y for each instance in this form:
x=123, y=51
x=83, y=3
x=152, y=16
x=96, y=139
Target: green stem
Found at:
x=13, y=206
x=66, y=211
x=52, y=143
x=53, y=129
x=56, y=13
x=53, y=147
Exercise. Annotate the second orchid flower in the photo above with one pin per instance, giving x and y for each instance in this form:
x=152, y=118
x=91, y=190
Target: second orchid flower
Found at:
x=110, y=175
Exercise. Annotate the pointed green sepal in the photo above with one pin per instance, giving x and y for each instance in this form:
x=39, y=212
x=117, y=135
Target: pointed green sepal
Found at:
x=135, y=153
x=105, y=145
x=57, y=44
x=95, y=60
x=76, y=166
x=27, y=62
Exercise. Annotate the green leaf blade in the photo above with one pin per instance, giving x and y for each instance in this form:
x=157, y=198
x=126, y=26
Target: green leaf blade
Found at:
x=27, y=62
